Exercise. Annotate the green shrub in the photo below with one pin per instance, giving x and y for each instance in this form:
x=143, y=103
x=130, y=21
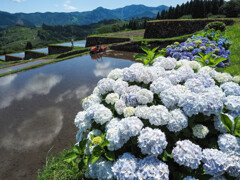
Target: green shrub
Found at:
x=216, y=25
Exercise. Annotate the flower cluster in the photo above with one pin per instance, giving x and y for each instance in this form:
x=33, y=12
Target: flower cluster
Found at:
x=191, y=48
x=161, y=118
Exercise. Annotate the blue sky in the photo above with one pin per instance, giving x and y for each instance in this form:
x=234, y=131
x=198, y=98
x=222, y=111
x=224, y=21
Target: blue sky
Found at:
x=28, y=6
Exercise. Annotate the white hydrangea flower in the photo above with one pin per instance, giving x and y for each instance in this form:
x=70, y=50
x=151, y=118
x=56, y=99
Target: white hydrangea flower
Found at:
x=171, y=96
x=200, y=131
x=120, y=106
x=231, y=88
x=158, y=71
x=96, y=91
x=128, y=111
x=105, y=85
x=229, y=144
x=142, y=111
x=91, y=100
x=120, y=86
x=101, y=170
x=207, y=70
x=222, y=77
x=102, y=115
x=158, y=115
x=174, y=76
x=115, y=74
x=152, y=141
x=178, y=121
x=167, y=63
x=144, y=96
x=146, y=75
x=83, y=123
x=236, y=79
x=185, y=72
x=195, y=85
x=195, y=65
x=183, y=62
x=160, y=85
x=232, y=103
x=112, y=98
x=159, y=59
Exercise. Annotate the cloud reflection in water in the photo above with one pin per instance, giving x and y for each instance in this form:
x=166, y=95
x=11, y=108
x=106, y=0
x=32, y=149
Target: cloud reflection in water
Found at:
x=40, y=84
x=40, y=129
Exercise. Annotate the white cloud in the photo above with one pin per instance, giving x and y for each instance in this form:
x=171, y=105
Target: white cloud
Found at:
x=68, y=2
x=7, y=80
x=16, y=1
x=56, y=5
x=68, y=7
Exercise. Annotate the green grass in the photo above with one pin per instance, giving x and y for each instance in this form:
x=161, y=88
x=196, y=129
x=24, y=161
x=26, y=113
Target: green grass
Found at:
x=56, y=168
x=124, y=31
x=233, y=34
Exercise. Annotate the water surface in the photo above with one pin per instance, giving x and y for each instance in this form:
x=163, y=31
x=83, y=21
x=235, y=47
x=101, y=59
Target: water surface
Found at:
x=42, y=50
x=38, y=107
x=21, y=54
x=75, y=43
x=2, y=57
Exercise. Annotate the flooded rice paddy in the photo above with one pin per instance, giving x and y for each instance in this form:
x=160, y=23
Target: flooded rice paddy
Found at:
x=75, y=43
x=38, y=107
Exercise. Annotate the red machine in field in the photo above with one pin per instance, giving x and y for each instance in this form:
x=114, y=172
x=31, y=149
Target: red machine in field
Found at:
x=98, y=49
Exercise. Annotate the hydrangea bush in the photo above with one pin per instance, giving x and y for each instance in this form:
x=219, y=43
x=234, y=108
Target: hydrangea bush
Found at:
x=161, y=122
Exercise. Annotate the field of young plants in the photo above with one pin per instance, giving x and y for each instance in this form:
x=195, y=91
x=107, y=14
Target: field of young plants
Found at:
x=174, y=116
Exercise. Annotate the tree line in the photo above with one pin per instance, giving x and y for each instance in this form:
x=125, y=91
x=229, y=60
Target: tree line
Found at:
x=201, y=9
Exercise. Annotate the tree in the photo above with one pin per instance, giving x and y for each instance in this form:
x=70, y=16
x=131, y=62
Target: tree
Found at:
x=215, y=7
x=158, y=16
x=231, y=8
x=115, y=27
x=29, y=45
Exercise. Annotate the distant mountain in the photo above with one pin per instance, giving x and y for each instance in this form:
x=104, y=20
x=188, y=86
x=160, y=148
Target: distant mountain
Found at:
x=79, y=18
x=7, y=19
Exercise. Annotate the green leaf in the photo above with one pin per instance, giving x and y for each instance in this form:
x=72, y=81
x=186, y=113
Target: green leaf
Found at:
x=110, y=155
x=85, y=160
x=97, y=151
x=237, y=125
x=92, y=136
x=145, y=49
x=153, y=50
x=77, y=149
x=94, y=158
x=82, y=145
x=70, y=157
x=105, y=143
x=140, y=56
x=226, y=121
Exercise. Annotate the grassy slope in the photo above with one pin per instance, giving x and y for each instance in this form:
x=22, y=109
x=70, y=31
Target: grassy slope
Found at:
x=233, y=34
x=56, y=168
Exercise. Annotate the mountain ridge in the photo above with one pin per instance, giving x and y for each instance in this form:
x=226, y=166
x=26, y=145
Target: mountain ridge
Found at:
x=78, y=18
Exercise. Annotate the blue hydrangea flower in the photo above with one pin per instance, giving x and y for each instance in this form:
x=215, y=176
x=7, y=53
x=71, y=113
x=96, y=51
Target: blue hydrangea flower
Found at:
x=231, y=88
x=233, y=166
x=188, y=154
x=152, y=168
x=152, y=141
x=214, y=162
x=105, y=85
x=178, y=121
x=229, y=144
x=125, y=167
x=190, y=178
x=232, y=103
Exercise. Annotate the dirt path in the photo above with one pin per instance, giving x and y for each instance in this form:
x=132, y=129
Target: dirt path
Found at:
x=129, y=34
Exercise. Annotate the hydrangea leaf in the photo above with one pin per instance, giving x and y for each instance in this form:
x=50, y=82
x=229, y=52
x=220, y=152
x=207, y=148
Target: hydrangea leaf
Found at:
x=110, y=155
x=70, y=157
x=237, y=126
x=226, y=121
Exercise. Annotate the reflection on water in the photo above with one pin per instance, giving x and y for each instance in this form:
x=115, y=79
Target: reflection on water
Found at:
x=43, y=50
x=2, y=57
x=75, y=43
x=40, y=84
x=38, y=107
x=21, y=54
x=39, y=129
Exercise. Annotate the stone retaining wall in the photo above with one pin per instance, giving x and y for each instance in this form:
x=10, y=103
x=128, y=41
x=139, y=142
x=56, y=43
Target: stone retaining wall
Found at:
x=174, y=28
x=34, y=54
x=54, y=49
x=93, y=41
x=12, y=58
